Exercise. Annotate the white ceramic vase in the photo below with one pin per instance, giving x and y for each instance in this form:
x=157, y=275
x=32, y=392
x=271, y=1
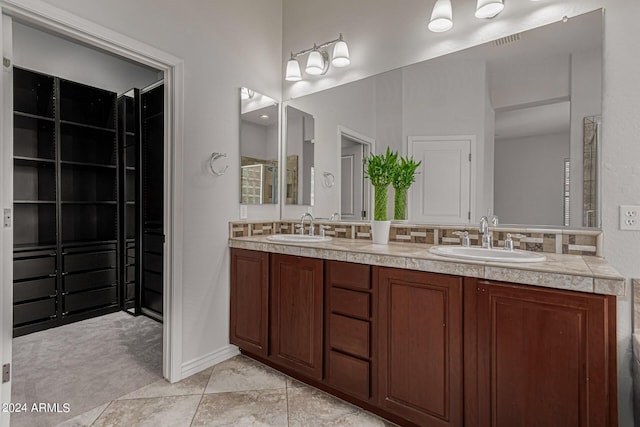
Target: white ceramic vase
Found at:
x=380, y=231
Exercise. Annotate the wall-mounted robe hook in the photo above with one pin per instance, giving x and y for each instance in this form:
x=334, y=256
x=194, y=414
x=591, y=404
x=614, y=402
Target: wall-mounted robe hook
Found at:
x=216, y=171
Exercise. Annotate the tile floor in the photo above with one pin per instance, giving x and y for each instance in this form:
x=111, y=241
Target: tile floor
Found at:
x=236, y=392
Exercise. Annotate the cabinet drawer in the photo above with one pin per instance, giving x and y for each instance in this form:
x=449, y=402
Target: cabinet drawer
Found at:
x=152, y=281
x=27, y=268
x=152, y=262
x=131, y=251
x=349, y=374
x=351, y=303
x=130, y=291
x=130, y=274
x=87, y=281
x=33, y=289
x=89, y=261
x=152, y=300
x=90, y=299
x=349, y=275
x=34, y=311
x=153, y=243
x=349, y=335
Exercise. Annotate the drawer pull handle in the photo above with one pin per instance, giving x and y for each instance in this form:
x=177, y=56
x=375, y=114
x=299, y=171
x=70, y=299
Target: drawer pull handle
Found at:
x=54, y=295
x=52, y=317
x=53, y=275
x=64, y=273
x=52, y=254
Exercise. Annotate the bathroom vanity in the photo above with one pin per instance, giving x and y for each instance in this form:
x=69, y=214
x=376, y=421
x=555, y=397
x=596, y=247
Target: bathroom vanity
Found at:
x=431, y=341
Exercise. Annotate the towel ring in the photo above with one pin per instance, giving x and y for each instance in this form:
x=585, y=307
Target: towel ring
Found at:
x=329, y=179
x=215, y=156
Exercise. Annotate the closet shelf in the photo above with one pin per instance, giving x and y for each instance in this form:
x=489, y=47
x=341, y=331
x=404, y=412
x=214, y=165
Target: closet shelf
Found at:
x=33, y=116
x=86, y=126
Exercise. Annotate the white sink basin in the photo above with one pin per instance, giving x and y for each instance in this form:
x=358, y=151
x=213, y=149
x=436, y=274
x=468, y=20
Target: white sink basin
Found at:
x=298, y=238
x=481, y=254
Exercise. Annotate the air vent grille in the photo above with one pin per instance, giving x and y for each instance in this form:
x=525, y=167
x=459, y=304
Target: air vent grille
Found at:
x=506, y=40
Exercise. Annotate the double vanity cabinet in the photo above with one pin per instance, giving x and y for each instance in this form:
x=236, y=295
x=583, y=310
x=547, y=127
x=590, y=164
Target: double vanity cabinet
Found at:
x=429, y=349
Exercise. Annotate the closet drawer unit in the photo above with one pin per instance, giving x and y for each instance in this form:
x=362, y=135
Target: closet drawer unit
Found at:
x=89, y=261
x=349, y=335
x=26, y=268
x=131, y=252
x=87, y=281
x=349, y=275
x=90, y=299
x=130, y=274
x=34, y=311
x=349, y=374
x=152, y=262
x=34, y=289
x=152, y=300
x=153, y=243
x=350, y=303
x=130, y=291
x=152, y=281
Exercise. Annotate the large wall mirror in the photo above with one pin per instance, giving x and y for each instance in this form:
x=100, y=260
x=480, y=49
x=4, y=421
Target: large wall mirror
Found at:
x=258, y=148
x=510, y=127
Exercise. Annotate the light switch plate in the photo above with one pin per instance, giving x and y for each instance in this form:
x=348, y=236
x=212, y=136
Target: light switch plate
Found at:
x=243, y=212
x=629, y=217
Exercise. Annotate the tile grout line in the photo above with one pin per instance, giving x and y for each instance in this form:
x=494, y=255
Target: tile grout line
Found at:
x=103, y=411
x=286, y=395
x=196, y=411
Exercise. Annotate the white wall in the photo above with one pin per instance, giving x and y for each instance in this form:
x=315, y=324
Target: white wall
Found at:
x=383, y=36
x=40, y=51
x=225, y=44
x=529, y=173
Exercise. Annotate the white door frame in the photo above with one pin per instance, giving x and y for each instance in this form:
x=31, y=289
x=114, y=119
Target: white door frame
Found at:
x=58, y=21
x=367, y=142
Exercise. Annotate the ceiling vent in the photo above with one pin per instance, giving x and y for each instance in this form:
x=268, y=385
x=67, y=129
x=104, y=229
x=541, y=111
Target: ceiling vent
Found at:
x=506, y=40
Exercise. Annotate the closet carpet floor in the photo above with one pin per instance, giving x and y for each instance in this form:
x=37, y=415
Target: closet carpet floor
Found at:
x=237, y=392
x=85, y=365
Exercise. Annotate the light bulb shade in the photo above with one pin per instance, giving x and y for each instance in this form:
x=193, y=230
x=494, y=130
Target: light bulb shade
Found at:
x=340, y=55
x=489, y=8
x=441, y=17
x=315, y=63
x=293, y=71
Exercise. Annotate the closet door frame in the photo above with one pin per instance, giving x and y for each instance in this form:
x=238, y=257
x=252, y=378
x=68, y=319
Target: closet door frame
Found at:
x=57, y=21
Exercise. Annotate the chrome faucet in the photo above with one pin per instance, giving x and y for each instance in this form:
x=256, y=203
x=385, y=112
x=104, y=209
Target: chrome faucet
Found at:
x=484, y=229
x=335, y=216
x=301, y=225
x=486, y=232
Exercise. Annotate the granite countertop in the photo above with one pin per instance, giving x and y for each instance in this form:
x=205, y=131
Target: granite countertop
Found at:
x=571, y=272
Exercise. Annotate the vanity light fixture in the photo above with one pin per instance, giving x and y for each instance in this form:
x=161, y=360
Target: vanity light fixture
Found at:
x=441, y=17
x=318, y=59
x=246, y=93
x=489, y=8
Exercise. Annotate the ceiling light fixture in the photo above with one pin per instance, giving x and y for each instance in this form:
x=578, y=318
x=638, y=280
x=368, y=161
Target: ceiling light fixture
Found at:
x=318, y=59
x=441, y=17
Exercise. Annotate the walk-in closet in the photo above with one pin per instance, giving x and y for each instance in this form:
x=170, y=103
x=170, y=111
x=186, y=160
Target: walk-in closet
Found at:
x=88, y=215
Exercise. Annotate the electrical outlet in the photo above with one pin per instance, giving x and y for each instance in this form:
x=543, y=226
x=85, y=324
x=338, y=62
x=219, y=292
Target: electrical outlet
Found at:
x=629, y=217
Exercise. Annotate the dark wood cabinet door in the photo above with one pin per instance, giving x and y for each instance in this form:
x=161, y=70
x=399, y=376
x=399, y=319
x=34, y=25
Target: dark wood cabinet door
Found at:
x=543, y=356
x=249, y=300
x=420, y=346
x=296, y=313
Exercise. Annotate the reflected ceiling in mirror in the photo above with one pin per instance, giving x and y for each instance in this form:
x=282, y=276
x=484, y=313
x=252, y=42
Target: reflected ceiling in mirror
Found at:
x=531, y=103
x=259, y=119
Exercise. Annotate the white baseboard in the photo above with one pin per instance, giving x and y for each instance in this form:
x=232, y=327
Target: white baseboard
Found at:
x=198, y=364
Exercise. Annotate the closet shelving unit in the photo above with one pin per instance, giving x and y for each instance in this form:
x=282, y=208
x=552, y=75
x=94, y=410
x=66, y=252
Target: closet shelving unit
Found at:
x=66, y=198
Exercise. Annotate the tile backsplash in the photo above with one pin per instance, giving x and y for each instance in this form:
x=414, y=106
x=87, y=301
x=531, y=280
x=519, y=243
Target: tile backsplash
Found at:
x=561, y=241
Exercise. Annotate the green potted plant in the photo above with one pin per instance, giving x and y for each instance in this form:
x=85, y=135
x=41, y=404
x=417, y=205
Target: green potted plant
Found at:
x=379, y=169
x=404, y=174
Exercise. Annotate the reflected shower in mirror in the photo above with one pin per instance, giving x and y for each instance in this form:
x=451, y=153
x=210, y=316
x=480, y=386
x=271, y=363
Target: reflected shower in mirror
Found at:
x=521, y=109
x=258, y=148
x=300, y=147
